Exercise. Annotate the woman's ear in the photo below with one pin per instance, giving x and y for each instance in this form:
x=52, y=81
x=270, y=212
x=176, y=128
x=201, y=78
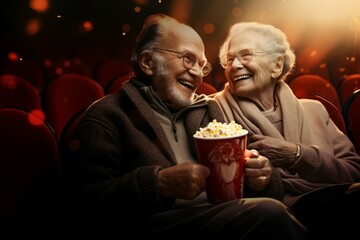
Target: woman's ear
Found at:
x=146, y=63
x=278, y=67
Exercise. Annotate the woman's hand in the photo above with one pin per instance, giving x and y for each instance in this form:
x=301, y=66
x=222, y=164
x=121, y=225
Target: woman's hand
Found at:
x=279, y=152
x=257, y=170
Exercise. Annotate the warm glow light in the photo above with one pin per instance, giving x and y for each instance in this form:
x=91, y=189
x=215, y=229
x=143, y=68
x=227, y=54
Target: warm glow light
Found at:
x=180, y=10
x=33, y=26
x=59, y=71
x=47, y=63
x=39, y=113
x=13, y=57
x=236, y=12
x=10, y=83
x=141, y=2
x=126, y=27
x=67, y=63
x=34, y=119
x=87, y=26
x=39, y=5
x=323, y=65
x=313, y=53
x=137, y=9
x=209, y=28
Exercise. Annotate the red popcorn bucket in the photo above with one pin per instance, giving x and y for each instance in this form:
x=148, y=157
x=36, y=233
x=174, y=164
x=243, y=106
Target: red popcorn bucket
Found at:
x=224, y=156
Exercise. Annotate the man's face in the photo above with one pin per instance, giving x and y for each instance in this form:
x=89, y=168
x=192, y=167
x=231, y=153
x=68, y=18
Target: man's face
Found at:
x=173, y=82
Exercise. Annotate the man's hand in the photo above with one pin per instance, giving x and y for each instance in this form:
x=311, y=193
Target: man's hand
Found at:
x=185, y=181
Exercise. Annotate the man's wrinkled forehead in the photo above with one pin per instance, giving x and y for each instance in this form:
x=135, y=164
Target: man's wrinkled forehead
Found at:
x=182, y=37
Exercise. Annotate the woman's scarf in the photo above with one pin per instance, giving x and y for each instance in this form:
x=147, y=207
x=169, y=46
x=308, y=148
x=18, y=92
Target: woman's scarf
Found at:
x=246, y=113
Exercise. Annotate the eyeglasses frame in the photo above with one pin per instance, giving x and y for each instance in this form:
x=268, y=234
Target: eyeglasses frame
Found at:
x=241, y=60
x=207, y=66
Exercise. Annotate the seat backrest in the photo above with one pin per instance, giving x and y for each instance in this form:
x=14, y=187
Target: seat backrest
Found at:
x=205, y=88
x=66, y=95
x=67, y=144
x=26, y=69
x=351, y=114
x=116, y=84
x=19, y=93
x=29, y=165
x=109, y=69
x=57, y=67
x=334, y=113
x=310, y=84
x=348, y=85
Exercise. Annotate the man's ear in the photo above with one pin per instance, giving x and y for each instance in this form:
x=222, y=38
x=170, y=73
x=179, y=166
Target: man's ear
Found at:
x=278, y=67
x=146, y=63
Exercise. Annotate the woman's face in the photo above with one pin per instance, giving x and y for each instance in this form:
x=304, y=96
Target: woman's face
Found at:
x=250, y=75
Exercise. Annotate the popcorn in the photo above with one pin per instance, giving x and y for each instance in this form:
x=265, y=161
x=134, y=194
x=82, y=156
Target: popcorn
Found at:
x=216, y=129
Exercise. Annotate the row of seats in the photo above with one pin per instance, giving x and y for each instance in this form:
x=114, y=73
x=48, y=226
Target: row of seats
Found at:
x=30, y=175
x=41, y=74
x=309, y=84
x=62, y=97
x=60, y=100
x=71, y=92
x=351, y=113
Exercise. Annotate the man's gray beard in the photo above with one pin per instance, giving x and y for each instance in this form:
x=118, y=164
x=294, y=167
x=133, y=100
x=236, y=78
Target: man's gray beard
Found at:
x=161, y=70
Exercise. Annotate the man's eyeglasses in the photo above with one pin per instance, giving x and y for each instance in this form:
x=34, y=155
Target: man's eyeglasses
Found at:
x=244, y=56
x=189, y=61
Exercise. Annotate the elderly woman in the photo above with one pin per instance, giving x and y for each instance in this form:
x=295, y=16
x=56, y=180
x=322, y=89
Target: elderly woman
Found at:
x=297, y=135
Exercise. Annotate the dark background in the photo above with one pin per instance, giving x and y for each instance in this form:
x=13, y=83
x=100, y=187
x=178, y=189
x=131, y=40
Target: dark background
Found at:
x=323, y=33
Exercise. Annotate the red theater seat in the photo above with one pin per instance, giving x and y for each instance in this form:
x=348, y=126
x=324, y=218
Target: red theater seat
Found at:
x=66, y=95
x=310, y=84
x=110, y=69
x=351, y=114
x=17, y=92
x=30, y=173
x=205, y=88
x=116, y=84
x=348, y=85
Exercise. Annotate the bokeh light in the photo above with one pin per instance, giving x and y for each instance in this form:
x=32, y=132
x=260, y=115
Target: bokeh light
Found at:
x=87, y=26
x=39, y=5
x=209, y=28
x=37, y=118
x=33, y=26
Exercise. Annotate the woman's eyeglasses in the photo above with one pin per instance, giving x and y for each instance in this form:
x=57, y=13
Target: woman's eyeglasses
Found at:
x=189, y=61
x=244, y=56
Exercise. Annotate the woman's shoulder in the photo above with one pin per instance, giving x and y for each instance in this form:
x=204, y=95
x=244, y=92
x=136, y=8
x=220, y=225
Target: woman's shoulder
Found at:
x=311, y=103
x=314, y=108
